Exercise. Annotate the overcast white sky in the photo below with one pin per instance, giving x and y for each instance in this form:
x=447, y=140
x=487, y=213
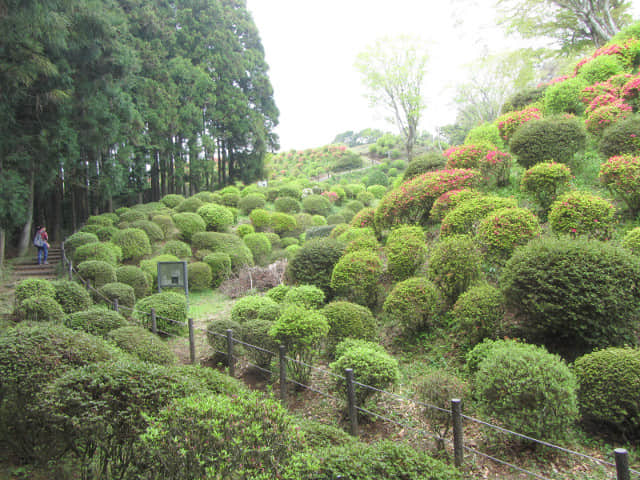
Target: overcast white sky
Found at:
x=311, y=47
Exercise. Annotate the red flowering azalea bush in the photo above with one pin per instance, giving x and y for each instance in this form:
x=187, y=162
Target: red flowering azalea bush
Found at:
x=448, y=201
x=411, y=202
x=364, y=218
x=544, y=182
x=630, y=92
x=500, y=232
x=509, y=123
x=582, y=213
x=602, y=117
x=465, y=156
x=621, y=175
x=495, y=167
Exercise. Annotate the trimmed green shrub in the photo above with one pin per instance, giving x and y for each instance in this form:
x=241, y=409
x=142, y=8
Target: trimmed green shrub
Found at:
x=282, y=223
x=217, y=218
x=228, y=243
x=122, y=292
x=314, y=263
x=245, y=229
x=319, y=435
x=105, y=234
x=507, y=124
x=217, y=338
x=355, y=205
x=467, y=214
x=355, y=277
x=411, y=202
x=621, y=175
x=32, y=355
x=291, y=251
x=40, y=308
x=495, y=168
x=466, y=156
x=153, y=230
x=134, y=243
x=318, y=221
x=260, y=219
x=544, y=182
x=104, y=219
x=254, y=307
x=631, y=240
x=204, y=425
x=143, y=344
x=287, y=205
x=97, y=272
x=600, y=68
x=220, y=264
x=170, y=308
x=450, y=200
x=303, y=221
x=364, y=218
x=564, y=97
x=406, y=251
x=251, y=202
x=177, y=248
x=621, y=138
x=528, y=390
x=485, y=134
x=278, y=292
x=206, y=197
x=348, y=320
x=230, y=199
x=256, y=332
x=32, y=287
x=260, y=247
x=454, y=265
x=500, y=232
x=200, y=276
x=165, y=222
x=414, y=303
x=371, y=365
x=478, y=314
x=378, y=191
x=188, y=224
x=172, y=200
x=190, y=205
x=309, y=296
x=548, y=139
x=132, y=215
x=523, y=98
x=573, y=295
x=105, y=252
x=97, y=320
x=136, y=278
x=77, y=239
x=609, y=390
x=71, y=296
x=582, y=213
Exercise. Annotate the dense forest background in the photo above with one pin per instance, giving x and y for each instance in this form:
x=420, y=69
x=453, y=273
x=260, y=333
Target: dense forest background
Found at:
x=108, y=102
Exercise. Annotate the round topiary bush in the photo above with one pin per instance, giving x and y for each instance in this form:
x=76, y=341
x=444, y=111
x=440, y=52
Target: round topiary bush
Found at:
x=77, y=239
x=547, y=139
x=464, y=218
x=245, y=229
x=105, y=252
x=217, y=338
x=314, y=263
x=217, y=218
x=254, y=307
x=170, y=308
x=528, y=390
x=414, y=303
x=104, y=219
x=354, y=205
x=177, y=248
x=287, y=205
x=631, y=240
x=136, y=278
x=600, y=69
x=282, y=223
x=378, y=191
x=133, y=215
x=366, y=198
x=106, y=233
x=251, y=202
x=465, y=156
x=228, y=243
x=134, y=243
x=509, y=123
x=153, y=230
x=406, y=251
x=200, y=276
x=564, y=97
x=505, y=229
x=40, y=309
x=32, y=287
x=165, y=222
x=609, y=390
x=190, y=205
x=207, y=197
x=363, y=219
x=573, y=295
x=355, y=277
x=485, y=134
x=544, y=182
x=188, y=224
x=454, y=265
x=308, y=295
x=98, y=273
x=256, y=332
x=582, y=213
x=348, y=320
x=220, y=264
x=601, y=118
x=142, y=344
x=621, y=138
x=621, y=175
x=172, y=200
x=71, y=296
x=260, y=247
x=450, y=200
x=260, y=219
x=97, y=320
x=478, y=314
x=110, y=292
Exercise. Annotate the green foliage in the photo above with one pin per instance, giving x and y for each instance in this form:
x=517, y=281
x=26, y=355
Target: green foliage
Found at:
x=77, y=239
x=414, y=303
x=217, y=338
x=220, y=264
x=544, y=140
x=449, y=200
x=188, y=224
x=135, y=277
x=106, y=233
x=485, y=134
x=228, y=243
x=527, y=390
x=478, y=314
x=103, y=251
x=631, y=240
x=464, y=218
x=170, y=308
x=244, y=436
x=564, y=97
x=250, y=202
x=217, y=218
x=97, y=272
x=371, y=365
x=245, y=229
x=454, y=265
x=495, y=168
x=71, y=296
x=256, y=332
x=200, y=276
x=544, y=182
x=143, y=344
x=355, y=277
x=96, y=320
x=190, y=205
x=609, y=390
x=378, y=191
x=309, y=296
x=621, y=175
x=508, y=124
x=316, y=205
x=134, y=243
x=503, y=230
x=131, y=215
x=573, y=295
x=287, y=205
x=118, y=291
x=523, y=98
x=32, y=287
x=582, y=213
x=348, y=320
x=150, y=266
x=152, y=229
x=621, y=138
x=278, y=292
x=254, y=307
x=466, y=156
x=177, y=248
x=363, y=219
x=600, y=69
x=282, y=223
x=314, y=263
x=40, y=308
x=172, y=200
x=406, y=251
x=104, y=219
x=259, y=245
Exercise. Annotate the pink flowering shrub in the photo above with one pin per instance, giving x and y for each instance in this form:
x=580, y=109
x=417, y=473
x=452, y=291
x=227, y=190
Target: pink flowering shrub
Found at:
x=465, y=156
x=630, y=92
x=448, y=201
x=495, y=167
x=331, y=196
x=582, y=213
x=413, y=199
x=621, y=175
x=364, y=218
x=600, y=118
x=507, y=124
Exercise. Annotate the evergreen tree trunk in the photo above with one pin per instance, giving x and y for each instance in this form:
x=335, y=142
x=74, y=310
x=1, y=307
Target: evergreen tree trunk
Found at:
x=25, y=236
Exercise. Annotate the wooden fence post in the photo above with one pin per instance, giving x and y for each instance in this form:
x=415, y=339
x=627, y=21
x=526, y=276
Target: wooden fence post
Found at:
x=283, y=375
x=622, y=464
x=154, y=322
x=351, y=398
x=192, y=342
x=230, y=352
x=458, y=440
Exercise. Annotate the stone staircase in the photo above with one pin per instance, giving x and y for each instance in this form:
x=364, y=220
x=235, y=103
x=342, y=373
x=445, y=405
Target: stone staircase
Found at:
x=28, y=267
